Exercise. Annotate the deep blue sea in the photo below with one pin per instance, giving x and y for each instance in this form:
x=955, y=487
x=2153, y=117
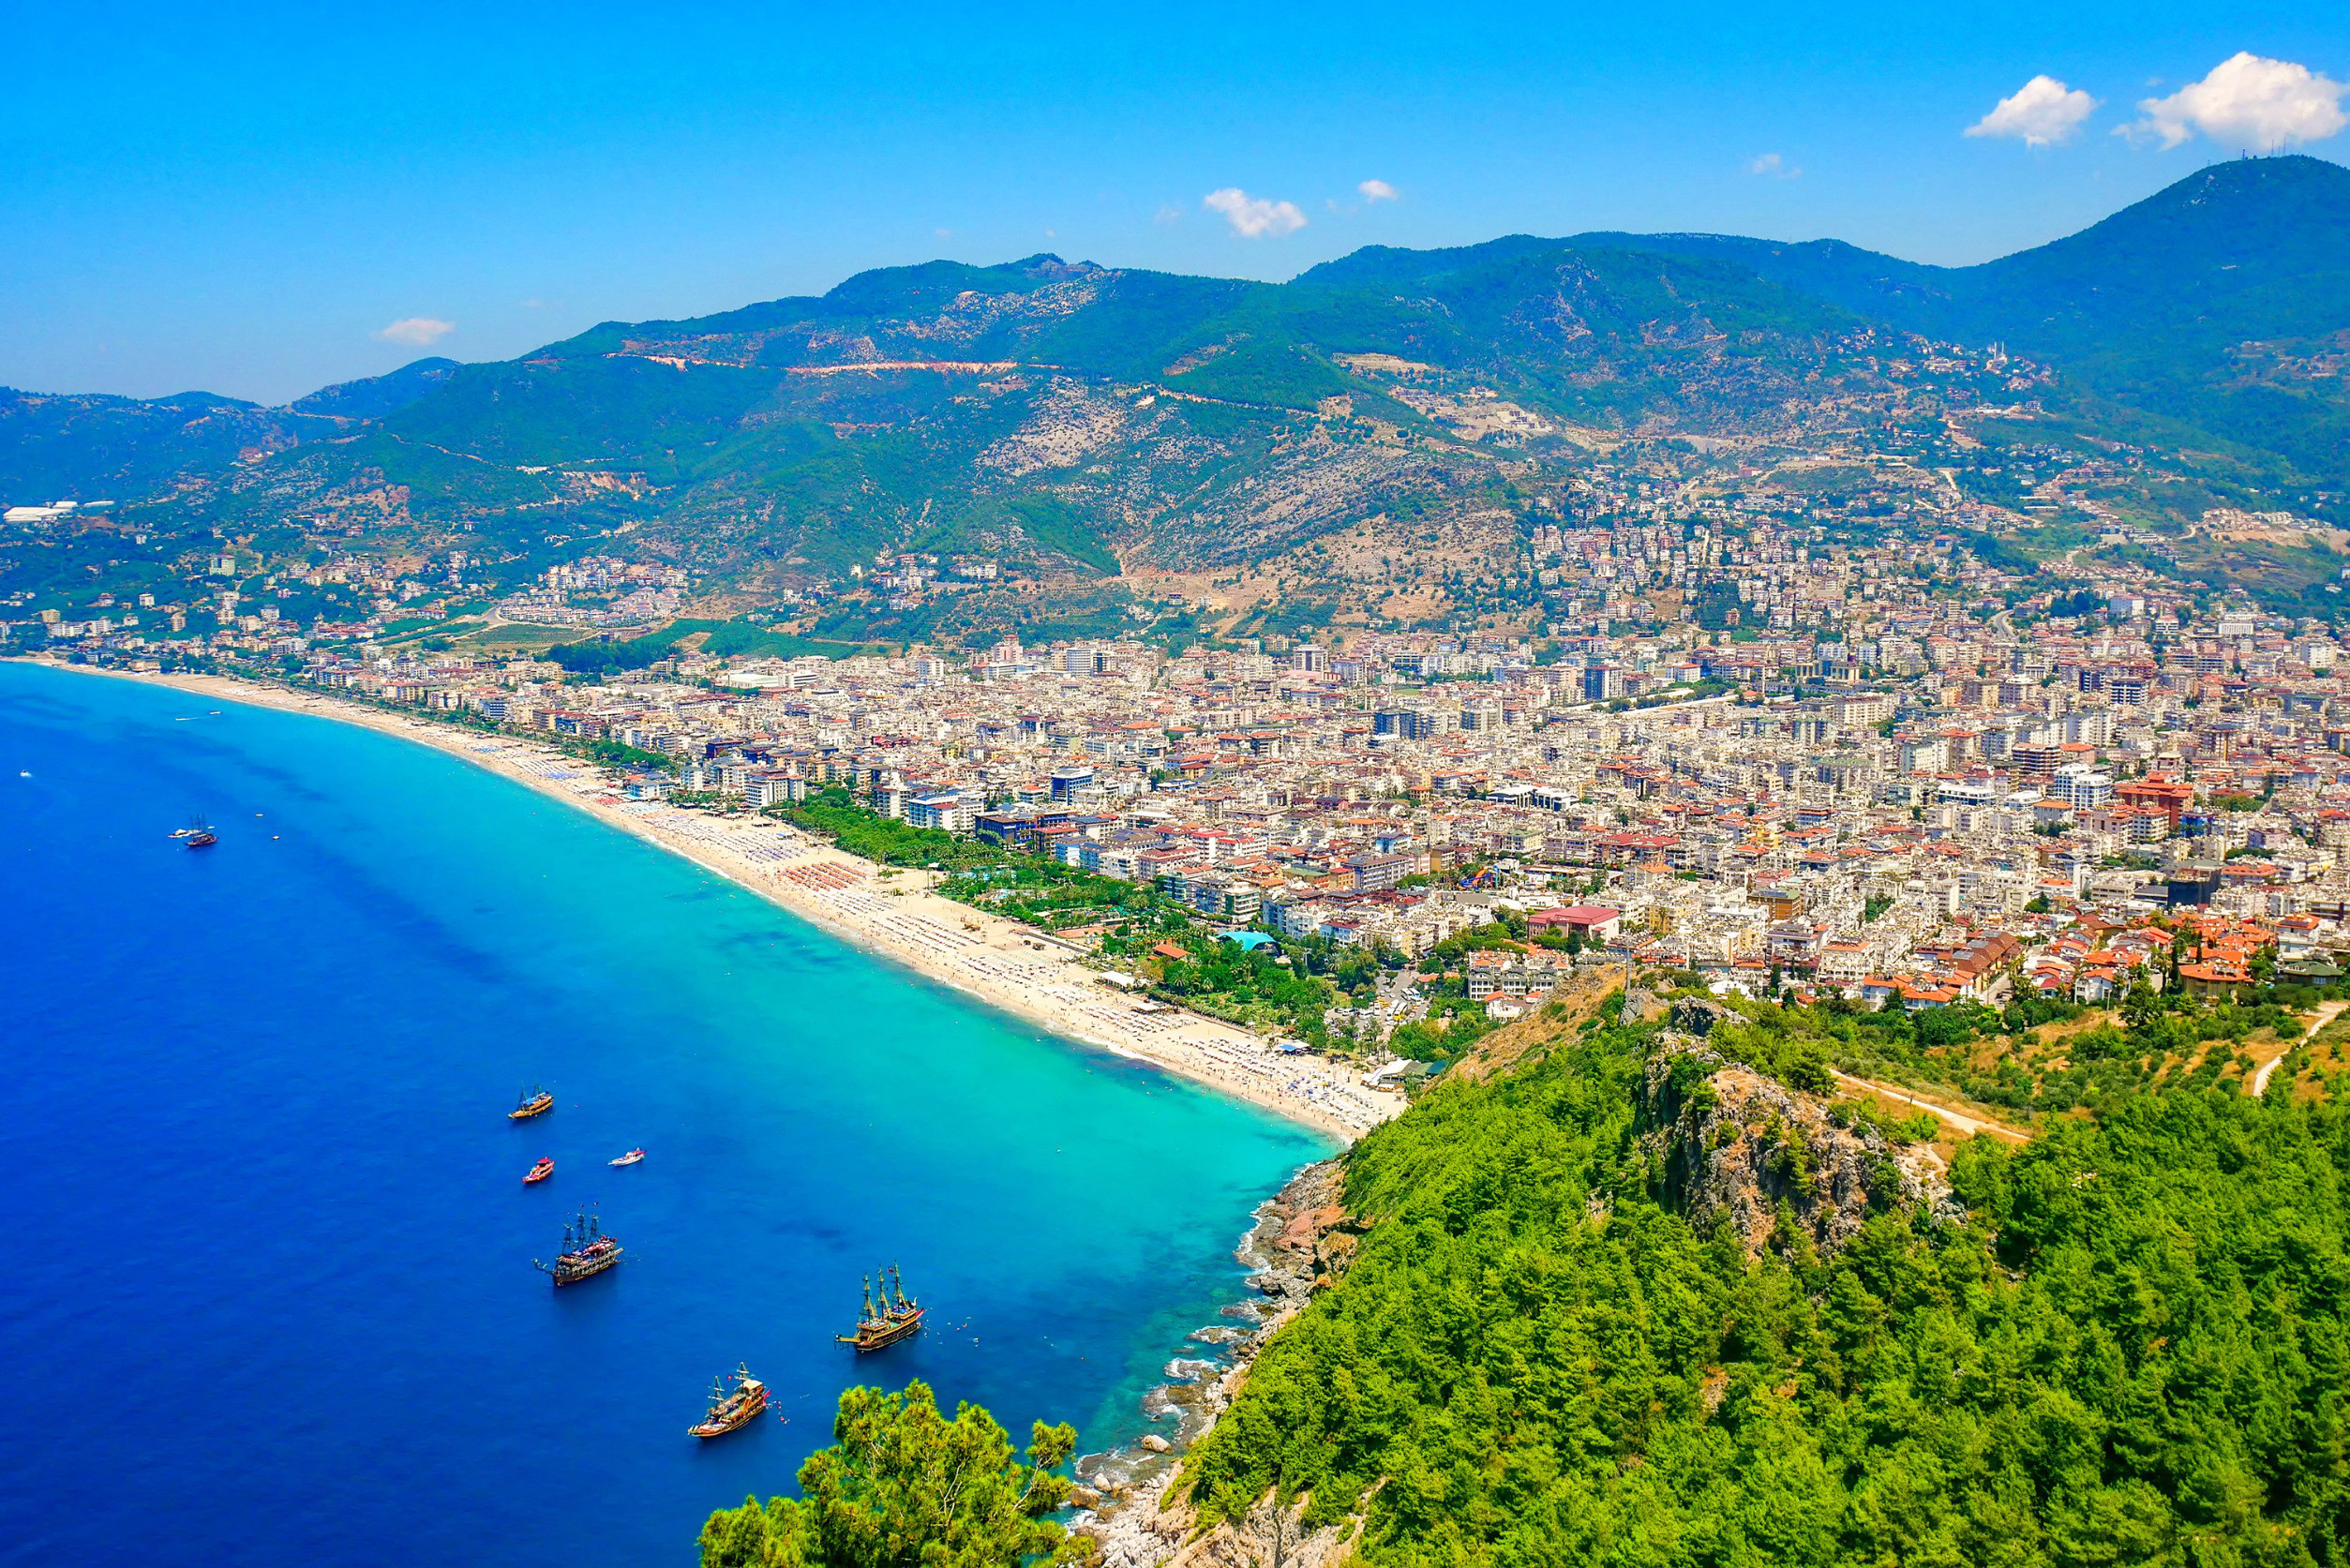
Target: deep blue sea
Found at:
x=266, y=1283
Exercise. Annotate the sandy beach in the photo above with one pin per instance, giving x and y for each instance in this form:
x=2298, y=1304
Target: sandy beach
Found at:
x=890, y=913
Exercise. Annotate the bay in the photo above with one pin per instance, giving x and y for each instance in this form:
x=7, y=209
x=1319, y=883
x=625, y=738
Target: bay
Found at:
x=268, y=1295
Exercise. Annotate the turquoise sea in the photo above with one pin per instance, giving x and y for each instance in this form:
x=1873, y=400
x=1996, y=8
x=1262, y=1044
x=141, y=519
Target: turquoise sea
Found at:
x=267, y=1295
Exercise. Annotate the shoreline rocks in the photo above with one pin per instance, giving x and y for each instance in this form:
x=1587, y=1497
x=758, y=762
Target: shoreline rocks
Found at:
x=1288, y=1249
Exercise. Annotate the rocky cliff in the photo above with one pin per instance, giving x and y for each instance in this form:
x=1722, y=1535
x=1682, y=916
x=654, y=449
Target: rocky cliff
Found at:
x=1729, y=1145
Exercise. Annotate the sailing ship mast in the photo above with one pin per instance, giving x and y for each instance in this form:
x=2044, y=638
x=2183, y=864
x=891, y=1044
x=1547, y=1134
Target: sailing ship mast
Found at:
x=586, y=1250
x=731, y=1408
x=898, y=1315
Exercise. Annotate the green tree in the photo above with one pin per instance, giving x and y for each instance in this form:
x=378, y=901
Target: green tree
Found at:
x=903, y=1486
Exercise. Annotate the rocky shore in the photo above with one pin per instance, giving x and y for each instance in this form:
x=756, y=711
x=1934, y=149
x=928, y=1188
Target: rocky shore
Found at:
x=1300, y=1238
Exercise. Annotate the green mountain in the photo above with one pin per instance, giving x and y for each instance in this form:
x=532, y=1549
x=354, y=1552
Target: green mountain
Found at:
x=2249, y=248
x=2213, y=307
x=93, y=447
x=2214, y=304
x=1084, y=417
x=1074, y=412
x=96, y=447
x=376, y=396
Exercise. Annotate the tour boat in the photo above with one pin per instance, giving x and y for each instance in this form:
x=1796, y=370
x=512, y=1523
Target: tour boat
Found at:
x=540, y=1172
x=198, y=834
x=631, y=1158
x=532, y=1101
x=587, y=1250
x=898, y=1318
x=731, y=1408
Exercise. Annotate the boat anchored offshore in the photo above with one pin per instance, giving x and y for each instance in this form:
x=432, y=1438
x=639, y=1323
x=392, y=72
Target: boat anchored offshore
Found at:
x=198, y=834
x=631, y=1158
x=731, y=1408
x=539, y=1172
x=532, y=1101
x=900, y=1316
x=586, y=1250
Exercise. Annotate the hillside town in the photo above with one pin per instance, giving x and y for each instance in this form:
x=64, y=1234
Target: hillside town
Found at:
x=1900, y=773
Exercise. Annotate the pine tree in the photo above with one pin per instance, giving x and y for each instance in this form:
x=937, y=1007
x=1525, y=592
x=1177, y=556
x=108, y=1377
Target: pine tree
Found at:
x=903, y=1484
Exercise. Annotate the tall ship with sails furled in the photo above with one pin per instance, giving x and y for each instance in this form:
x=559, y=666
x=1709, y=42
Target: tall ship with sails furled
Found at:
x=532, y=1101
x=586, y=1250
x=887, y=1319
x=731, y=1408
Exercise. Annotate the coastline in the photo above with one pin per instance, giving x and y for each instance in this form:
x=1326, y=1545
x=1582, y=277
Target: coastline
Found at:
x=1124, y=1499
x=883, y=911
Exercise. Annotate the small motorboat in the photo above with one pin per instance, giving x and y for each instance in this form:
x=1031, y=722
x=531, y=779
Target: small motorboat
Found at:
x=631, y=1158
x=540, y=1172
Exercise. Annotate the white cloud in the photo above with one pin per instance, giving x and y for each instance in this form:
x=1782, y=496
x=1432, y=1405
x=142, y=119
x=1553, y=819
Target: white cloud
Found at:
x=2248, y=102
x=1377, y=190
x=1776, y=165
x=417, y=331
x=1254, y=217
x=1167, y=213
x=2040, y=113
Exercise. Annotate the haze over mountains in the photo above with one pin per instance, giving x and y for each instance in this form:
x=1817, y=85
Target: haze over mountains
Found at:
x=1096, y=417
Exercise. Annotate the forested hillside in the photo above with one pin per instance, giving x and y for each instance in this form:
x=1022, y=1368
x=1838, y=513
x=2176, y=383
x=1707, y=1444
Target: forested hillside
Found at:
x=2130, y=1350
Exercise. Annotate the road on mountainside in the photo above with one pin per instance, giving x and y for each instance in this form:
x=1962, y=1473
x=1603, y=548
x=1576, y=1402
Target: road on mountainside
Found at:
x=2327, y=1013
x=1957, y=1119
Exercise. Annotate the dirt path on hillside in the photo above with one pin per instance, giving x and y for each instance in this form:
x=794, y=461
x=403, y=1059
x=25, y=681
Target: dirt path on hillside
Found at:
x=1957, y=1119
x=2327, y=1013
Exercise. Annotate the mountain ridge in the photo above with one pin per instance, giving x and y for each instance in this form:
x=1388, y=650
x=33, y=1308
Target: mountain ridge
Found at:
x=1098, y=417
x=2331, y=180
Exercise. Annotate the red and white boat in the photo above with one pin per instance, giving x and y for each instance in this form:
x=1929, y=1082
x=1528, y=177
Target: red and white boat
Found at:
x=540, y=1172
x=631, y=1158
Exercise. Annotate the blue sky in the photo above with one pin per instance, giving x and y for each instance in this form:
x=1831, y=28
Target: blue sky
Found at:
x=247, y=198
